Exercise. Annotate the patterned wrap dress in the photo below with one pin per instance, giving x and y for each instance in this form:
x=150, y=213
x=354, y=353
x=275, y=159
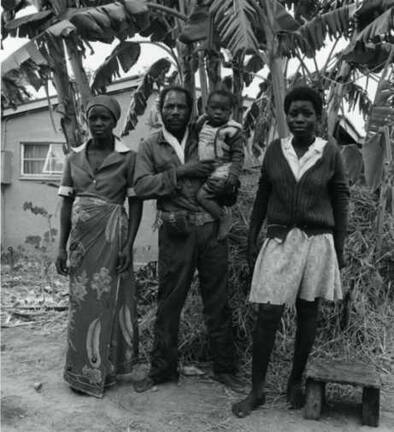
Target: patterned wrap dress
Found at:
x=102, y=336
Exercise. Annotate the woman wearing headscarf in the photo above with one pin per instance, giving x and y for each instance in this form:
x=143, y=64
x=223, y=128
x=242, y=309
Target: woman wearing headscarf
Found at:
x=98, y=176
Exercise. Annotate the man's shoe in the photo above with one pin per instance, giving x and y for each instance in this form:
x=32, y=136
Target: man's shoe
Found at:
x=143, y=385
x=147, y=383
x=230, y=381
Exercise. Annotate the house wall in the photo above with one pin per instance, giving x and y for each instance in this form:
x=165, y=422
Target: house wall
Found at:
x=17, y=224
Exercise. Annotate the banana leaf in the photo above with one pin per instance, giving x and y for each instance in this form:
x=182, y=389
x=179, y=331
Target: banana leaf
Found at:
x=154, y=77
x=124, y=56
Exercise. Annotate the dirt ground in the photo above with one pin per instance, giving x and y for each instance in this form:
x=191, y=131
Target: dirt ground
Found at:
x=32, y=355
x=34, y=397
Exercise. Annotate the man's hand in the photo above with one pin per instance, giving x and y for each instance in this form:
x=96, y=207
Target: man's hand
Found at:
x=196, y=169
x=61, y=263
x=124, y=260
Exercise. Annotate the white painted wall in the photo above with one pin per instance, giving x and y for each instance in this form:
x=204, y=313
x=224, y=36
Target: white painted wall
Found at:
x=17, y=224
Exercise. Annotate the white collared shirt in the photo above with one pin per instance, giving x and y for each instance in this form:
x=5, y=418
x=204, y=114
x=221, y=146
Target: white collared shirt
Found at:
x=299, y=166
x=179, y=147
x=119, y=146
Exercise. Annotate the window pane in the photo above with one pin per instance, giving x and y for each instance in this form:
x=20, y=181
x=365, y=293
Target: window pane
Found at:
x=36, y=151
x=54, y=159
x=45, y=159
x=33, y=167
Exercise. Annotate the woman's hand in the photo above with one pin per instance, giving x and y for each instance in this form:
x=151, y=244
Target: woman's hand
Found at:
x=61, y=262
x=341, y=260
x=124, y=260
x=232, y=181
x=253, y=251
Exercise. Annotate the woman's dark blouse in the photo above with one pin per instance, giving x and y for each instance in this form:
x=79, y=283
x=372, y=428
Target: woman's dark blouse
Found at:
x=317, y=202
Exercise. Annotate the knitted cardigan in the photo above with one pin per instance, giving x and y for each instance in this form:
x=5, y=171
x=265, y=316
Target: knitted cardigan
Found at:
x=317, y=203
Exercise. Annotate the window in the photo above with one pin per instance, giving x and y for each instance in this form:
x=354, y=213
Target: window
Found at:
x=42, y=159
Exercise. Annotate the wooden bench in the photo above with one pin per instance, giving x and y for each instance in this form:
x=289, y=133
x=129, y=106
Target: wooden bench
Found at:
x=319, y=373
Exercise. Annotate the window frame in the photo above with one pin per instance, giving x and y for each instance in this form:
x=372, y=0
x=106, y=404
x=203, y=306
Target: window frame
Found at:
x=38, y=176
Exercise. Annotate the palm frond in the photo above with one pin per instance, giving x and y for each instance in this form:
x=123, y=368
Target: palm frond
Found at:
x=155, y=76
x=303, y=9
x=234, y=21
x=367, y=56
x=358, y=97
x=29, y=25
x=124, y=56
x=370, y=10
x=25, y=67
x=381, y=117
x=380, y=28
x=312, y=35
x=197, y=25
x=253, y=65
x=97, y=23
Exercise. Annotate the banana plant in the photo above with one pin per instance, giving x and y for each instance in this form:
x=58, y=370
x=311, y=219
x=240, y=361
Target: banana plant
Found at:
x=65, y=28
x=266, y=30
x=194, y=34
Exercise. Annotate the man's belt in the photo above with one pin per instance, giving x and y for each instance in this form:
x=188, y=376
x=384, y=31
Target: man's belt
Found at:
x=198, y=218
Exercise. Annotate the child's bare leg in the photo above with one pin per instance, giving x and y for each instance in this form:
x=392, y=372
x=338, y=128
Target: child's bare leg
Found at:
x=207, y=200
x=307, y=313
x=263, y=342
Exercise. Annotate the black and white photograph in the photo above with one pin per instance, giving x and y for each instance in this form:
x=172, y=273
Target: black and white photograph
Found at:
x=197, y=215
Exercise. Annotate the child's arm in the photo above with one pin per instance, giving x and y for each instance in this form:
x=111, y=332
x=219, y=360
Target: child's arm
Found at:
x=237, y=154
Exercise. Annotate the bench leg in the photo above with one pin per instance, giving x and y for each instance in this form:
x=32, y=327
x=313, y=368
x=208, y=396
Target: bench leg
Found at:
x=370, y=406
x=314, y=399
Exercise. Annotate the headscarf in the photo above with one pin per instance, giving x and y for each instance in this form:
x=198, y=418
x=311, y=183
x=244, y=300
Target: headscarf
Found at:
x=106, y=101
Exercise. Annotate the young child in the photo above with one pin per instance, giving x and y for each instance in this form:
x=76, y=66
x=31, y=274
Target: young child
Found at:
x=303, y=194
x=220, y=139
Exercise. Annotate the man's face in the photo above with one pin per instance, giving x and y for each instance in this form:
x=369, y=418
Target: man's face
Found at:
x=175, y=112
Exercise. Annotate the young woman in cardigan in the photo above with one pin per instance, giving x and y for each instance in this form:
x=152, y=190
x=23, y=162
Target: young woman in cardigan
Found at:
x=303, y=195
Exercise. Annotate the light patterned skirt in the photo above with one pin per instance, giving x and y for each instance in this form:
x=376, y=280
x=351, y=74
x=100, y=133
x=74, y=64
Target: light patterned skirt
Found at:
x=299, y=266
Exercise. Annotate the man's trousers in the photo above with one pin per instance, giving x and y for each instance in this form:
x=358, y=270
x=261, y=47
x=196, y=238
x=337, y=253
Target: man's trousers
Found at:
x=179, y=256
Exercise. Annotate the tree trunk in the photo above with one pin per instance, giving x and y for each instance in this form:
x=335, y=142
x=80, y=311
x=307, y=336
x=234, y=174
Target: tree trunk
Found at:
x=66, y=99
x=203, y=79
x=213, y=61
x=279, y=89
x=238, y=87
x=188, y=62
x=75, y=57
x=276, y=69
x=213, y=69
x=187, y=57
x=335, y=100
